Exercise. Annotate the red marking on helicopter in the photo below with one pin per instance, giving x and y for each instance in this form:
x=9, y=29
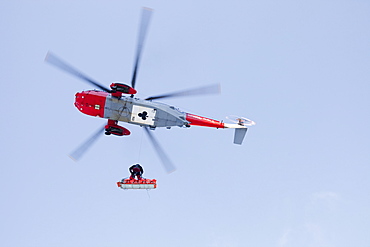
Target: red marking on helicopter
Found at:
x=91, y=102
x=203, y=121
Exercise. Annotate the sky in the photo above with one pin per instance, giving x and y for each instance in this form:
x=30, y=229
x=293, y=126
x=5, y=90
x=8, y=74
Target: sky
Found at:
x=299, y=69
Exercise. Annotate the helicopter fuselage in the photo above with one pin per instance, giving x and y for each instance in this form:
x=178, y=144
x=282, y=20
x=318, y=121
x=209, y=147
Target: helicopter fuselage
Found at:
x=137, y=111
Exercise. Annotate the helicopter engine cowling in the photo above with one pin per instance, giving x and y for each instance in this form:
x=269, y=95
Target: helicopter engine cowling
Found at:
x=119, y=88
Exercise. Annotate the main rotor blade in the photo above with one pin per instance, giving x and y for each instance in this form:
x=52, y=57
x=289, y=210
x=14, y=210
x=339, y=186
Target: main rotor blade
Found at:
x=54, y=60
x=145, y=19
x=161, y=154
x=77, y=154
x=211, y=89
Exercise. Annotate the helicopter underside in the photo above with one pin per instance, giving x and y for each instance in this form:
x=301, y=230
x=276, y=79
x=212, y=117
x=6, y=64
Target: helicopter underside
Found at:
x=143, y=112
x=129, y=110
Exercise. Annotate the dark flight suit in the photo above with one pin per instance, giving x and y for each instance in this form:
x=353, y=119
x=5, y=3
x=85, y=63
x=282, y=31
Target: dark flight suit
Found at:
x=136, y=170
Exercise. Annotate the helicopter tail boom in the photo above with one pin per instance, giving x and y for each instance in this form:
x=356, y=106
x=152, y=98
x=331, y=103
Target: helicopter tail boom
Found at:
x=203, y=121
x=240, y=125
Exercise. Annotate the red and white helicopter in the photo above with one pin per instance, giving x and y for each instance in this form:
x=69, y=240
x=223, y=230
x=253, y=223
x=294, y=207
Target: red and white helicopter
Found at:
x=119, y=104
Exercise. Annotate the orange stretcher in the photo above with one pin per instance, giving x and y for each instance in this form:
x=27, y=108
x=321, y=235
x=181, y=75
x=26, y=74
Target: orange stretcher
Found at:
x=143, y=183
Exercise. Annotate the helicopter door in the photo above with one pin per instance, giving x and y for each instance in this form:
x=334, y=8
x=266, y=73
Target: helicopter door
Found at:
x=143, y=115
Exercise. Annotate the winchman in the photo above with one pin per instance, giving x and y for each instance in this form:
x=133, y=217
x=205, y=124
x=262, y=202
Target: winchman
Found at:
x=136, y=170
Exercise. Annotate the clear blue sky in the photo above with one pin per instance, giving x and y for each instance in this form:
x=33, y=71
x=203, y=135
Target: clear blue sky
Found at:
x=300, y=69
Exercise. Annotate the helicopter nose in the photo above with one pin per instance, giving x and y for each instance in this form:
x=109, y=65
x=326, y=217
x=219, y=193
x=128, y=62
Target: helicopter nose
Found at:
x=91, y=102
x=79, y=101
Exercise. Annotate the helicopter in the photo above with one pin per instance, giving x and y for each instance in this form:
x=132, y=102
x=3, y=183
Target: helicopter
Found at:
x=119, y=104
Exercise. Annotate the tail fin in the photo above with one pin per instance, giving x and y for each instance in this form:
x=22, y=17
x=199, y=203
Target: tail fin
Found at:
x=239, y=135
x=240, y=126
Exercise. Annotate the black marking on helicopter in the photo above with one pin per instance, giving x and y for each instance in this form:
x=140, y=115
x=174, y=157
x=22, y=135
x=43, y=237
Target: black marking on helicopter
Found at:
x=143, y=115
x=124, y=111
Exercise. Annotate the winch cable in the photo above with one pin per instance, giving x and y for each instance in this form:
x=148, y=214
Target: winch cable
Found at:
x=140, y=146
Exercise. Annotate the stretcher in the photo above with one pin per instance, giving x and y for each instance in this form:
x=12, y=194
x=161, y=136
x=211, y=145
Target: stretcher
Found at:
x=142, y=183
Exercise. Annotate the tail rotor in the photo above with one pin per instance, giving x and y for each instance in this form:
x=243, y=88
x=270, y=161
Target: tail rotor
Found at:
x=240, y=124
x=242, y=121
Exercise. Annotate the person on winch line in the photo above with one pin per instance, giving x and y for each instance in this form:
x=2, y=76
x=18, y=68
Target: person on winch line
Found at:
x=136, y=170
